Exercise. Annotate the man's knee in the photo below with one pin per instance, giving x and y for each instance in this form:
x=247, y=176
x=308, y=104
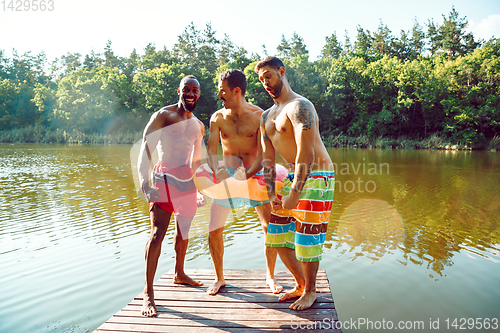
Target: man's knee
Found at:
x=157, y=235
x=216, y=232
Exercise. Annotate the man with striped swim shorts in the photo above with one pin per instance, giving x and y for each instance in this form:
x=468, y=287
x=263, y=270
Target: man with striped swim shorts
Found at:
x=303, y=228
x=302, y=209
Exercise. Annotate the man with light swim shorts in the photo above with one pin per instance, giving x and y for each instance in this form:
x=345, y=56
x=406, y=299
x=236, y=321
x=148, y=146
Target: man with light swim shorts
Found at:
x=176, y=134
x=301, y=211
x=238, y=126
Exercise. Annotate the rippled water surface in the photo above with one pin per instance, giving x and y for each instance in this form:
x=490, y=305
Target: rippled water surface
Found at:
x=413, y=236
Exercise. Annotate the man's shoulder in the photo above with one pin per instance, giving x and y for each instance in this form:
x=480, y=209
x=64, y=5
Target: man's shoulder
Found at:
x=301, y=102
x=254, y=109
x=301, y=111
x=217, y=115
x=166, y=111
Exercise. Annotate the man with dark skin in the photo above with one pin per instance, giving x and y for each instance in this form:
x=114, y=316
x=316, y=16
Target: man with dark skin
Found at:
x=238, y=126
x=176, y=134
x=301, y=210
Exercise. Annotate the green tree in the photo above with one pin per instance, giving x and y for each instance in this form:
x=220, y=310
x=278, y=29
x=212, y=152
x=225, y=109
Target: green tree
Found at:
x=70, y=62
x=451, y=37
x=363, y=44
x=417, y=40
x=382, y=40
x=284, y=48
x=151, y=58
x=4, y=66
x=207, y=52
x=188, y=43
x=332, y=48
x=93, y=60
x=110, y=59
x=28, y=68
x=347, y=43
x=131, y=65
x=401, y=47
x=256, y=94
x=44, y=98
x=90, y=100
x=8, y=101
x=297, y=46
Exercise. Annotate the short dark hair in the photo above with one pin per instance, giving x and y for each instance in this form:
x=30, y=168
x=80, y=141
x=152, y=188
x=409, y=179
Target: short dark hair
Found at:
x=187, y=78
x=234, y=78
x=271, y=61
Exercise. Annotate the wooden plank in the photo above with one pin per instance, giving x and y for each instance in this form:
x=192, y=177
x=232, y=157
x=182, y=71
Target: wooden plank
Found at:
x=125, y=328
x=133, y=310
x=201, y=322
x=228, y=288
x=239, y=314
x=275, y=305
x=245, y=304
x=222, y=296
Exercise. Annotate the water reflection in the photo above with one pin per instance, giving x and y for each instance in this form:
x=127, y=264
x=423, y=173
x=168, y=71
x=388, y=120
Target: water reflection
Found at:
x=371, y=228
x=70, y=218
x=449, y=202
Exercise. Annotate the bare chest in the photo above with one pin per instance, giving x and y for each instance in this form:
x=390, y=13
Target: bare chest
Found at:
x=244, y=128
x=186, y=129
x=278, y=124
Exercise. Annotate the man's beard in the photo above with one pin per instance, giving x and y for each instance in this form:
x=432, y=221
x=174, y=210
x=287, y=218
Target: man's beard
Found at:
x=188, y=107
x=277, y=89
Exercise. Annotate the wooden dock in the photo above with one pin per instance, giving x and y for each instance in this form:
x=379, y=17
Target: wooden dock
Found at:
x=245, y=304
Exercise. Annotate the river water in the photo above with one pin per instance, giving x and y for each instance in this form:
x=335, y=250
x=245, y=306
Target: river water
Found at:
x=413, y=239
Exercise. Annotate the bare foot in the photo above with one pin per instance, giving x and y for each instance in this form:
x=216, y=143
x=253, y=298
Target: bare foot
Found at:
x=184, y=279
x=148, y=306
x=214, y=288
x=304, y=302
x=295, y=292
x=275, y=287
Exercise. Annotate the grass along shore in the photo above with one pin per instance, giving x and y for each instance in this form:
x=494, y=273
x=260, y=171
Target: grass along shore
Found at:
x=39, y=134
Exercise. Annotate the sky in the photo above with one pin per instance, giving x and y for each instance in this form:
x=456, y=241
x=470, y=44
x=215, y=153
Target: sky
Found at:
x=85, y=26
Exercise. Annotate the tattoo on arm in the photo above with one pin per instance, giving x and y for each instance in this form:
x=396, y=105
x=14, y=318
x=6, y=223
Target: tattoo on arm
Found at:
x=270, y=177
x=263, y=125
x=304, y=114
x=301, y=177
x=264, y=115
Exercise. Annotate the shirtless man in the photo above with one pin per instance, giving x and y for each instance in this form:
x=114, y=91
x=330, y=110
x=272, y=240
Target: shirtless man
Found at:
x=301, y=210
x=177, y=134
x=237, y=124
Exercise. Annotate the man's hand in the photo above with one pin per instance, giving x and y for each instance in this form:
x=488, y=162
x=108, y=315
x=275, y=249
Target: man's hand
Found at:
x=276, y=203
x=289, y=202
x=200, y=199
x=151, y=194
x=241, y=173
x=221, y=172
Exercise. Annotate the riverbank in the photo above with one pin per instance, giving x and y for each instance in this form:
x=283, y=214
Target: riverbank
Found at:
x=435, y=141
x=42, y=135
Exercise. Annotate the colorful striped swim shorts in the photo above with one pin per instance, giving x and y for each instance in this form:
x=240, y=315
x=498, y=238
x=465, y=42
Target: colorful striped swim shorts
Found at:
x=304, y=227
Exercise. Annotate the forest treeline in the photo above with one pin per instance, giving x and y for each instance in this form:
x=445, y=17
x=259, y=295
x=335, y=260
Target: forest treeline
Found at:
x=432, y=81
